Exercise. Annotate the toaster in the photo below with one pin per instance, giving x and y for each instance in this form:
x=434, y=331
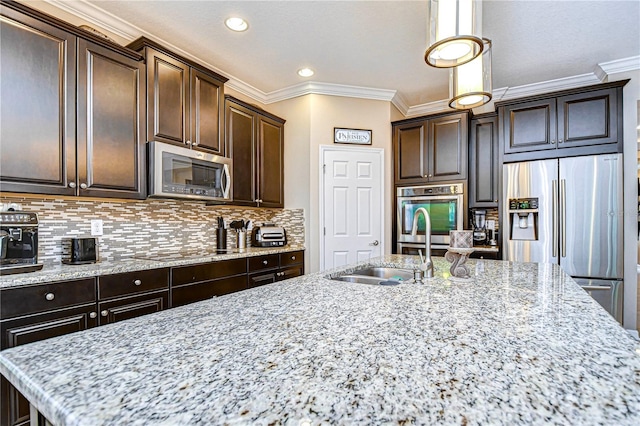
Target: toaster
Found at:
x=268, y=235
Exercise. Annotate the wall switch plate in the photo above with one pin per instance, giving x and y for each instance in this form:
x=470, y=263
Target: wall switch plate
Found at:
x=491, y=224
x=96, y=227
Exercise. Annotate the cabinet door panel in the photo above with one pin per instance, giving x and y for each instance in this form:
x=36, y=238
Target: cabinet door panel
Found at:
x=132, y=307
x=588, y=118
x=448, y=148
x=256, y=280
x=168, y=91
x=37, y=107
x=530, y=126
x=240, y=135
x=206, y=112
x=270, y=163
x=291, y=272
x=28, y=329
x=111, y=146
x=410, y=154
x=483, y=163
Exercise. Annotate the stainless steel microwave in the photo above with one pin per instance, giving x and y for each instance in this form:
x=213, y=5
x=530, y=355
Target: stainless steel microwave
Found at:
x=178, y=172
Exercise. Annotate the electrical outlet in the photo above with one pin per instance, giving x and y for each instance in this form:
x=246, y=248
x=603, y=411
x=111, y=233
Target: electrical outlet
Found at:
x=96, y=227
x=491, y=224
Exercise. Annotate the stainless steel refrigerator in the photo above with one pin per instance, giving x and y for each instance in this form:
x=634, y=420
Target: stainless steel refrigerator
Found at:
x=569, y=211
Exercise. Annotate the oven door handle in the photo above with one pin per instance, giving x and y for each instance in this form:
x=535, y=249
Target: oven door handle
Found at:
x=226, y=178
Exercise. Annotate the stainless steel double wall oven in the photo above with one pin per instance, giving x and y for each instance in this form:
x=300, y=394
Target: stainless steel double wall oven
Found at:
x=445, y=204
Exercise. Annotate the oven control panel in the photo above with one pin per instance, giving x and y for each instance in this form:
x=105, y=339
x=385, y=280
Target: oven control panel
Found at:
x=412, y=191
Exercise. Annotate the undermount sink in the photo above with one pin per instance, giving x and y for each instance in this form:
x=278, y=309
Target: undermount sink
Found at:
x=377, y=276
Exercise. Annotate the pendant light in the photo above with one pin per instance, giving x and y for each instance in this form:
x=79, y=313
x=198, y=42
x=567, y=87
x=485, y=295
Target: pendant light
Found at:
x=455, y=32
x=470, y=84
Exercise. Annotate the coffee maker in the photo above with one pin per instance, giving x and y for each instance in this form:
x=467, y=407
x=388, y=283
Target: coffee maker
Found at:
x=479, y=222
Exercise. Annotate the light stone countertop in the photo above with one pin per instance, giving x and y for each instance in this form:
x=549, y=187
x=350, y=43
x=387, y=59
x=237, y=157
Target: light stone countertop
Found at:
x=520, y=343
x=62, y=272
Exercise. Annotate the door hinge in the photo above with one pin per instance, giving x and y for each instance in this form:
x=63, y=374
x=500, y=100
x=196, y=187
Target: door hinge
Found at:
x=324, y=231
x=324, y=168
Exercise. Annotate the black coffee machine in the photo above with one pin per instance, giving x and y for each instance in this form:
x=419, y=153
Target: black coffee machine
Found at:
x=18, y=242
x=479, y=222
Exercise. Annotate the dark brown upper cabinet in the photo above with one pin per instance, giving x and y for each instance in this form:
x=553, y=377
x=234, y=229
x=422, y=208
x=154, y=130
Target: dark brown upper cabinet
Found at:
x=111, y=147
x=430, y=149
x=581, y=121
x=483, y=161
x=185, y=101
x=256, y=140
x=72, y=116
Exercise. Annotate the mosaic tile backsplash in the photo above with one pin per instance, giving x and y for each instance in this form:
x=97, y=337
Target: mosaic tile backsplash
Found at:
x=153, y=226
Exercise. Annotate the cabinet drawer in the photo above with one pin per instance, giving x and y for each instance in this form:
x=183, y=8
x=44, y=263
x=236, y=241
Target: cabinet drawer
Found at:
x=263, y=262
x=45, y=297
x=186, y=294
x=291, y=258
x=132, y=282
x=258, y=279
x=207, y=271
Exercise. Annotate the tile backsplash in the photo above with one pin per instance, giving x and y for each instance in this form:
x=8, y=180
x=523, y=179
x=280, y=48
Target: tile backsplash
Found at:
x=146, y=227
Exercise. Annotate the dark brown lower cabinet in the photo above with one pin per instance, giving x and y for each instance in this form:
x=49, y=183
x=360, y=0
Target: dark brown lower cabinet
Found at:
x=32, y=328
x=271, y=268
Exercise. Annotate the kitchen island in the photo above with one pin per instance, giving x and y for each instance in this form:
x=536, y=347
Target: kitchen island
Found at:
x=518, y=343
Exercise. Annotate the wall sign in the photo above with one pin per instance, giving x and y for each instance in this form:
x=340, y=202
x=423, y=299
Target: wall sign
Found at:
x=352, y=136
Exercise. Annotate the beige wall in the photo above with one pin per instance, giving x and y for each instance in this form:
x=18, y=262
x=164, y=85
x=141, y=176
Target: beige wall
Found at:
x=310, y=121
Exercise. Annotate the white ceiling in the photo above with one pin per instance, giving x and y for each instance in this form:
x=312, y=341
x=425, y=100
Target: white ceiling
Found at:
x=374, y=44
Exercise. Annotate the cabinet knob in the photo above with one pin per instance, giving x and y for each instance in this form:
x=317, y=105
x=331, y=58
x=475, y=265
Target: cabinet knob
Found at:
x=92, y=315
x=83, y=185
x=430, y=175
x=72, y=184
x=553, y=141
x=264, y=262
x=560, y=140
x=49, y=296
x=137, y=282
x=188, y=142
x=104, y=313
x=196, y=143
x=293, y=258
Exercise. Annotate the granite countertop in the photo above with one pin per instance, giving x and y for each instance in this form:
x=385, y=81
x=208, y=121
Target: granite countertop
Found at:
x=520, y=343
x=143, y=261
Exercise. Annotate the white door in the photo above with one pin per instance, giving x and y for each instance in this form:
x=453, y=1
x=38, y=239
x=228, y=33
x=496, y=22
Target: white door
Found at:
x=352, y=205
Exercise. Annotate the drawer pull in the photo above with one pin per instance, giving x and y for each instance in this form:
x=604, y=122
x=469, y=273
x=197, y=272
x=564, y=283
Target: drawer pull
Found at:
x=137, y=282
x=93, y=315
x=265, y=262
x=104, y=313
x=49, y=296
x=293, y=258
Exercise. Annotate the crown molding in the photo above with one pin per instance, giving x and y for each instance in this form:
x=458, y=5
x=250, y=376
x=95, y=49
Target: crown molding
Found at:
x=331, y=89
x=429, y=108
x=99, y=17
x=551, y=86
x=605, y=69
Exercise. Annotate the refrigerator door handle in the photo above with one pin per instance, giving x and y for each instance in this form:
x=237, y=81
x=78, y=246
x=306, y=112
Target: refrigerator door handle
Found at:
x=554, y=217
x=563, y=217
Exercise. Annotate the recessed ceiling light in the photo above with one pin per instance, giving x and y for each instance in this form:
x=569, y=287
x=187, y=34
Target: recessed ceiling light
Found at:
x=305, y=72
x=236, y=24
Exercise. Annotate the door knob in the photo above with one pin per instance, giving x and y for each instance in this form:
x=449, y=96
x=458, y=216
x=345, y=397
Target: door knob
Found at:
x=375, y=243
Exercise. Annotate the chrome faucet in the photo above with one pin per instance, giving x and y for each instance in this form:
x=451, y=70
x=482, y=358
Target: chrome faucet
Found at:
x=427, y=239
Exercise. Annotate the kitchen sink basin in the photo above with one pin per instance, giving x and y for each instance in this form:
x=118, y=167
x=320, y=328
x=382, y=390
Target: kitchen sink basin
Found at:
x=377, y=276
x=386, y=273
